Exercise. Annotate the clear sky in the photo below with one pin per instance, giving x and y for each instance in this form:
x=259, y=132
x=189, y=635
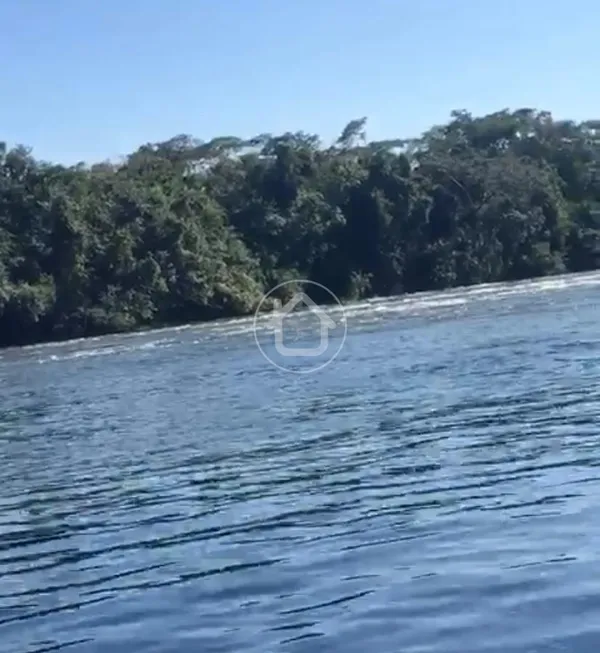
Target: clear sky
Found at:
x=94, y=79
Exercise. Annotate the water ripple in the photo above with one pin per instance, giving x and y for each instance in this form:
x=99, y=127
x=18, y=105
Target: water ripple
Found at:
x=436, y=489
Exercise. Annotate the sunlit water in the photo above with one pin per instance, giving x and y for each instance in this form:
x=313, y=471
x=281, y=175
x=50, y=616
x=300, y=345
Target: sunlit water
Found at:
x=435, y=488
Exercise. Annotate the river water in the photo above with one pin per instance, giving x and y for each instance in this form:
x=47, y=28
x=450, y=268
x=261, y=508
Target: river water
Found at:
x=435, y=488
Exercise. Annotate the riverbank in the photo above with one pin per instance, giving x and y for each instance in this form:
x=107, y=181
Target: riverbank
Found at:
x=358, y=307
x=184, y=232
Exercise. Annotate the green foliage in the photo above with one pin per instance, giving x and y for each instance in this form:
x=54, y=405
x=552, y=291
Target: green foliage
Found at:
x=184, y=230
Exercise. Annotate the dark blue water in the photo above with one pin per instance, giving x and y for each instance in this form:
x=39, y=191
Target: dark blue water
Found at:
x=435, y=488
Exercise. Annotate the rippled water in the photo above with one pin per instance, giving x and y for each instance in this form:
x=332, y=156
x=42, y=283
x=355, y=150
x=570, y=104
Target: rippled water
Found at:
x=435, y=488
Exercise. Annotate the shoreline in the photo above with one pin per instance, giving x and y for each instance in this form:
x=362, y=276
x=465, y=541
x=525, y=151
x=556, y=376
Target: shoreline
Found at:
x=179, y=326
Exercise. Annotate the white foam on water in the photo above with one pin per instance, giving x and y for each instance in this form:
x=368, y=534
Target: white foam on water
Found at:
x=374, y=310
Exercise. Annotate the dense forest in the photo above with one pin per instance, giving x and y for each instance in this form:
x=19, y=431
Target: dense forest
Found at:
x=184, y=230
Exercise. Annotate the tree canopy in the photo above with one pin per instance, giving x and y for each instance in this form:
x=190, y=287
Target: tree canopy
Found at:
x=184, y=230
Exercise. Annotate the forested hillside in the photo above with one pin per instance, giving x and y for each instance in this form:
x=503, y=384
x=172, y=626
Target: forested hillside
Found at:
x=185, y=230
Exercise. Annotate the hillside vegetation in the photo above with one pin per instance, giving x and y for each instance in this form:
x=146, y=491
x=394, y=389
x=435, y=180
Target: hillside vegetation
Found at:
x=183, y=230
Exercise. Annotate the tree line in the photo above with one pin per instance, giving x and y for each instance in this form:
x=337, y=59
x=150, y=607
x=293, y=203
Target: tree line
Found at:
x=184, y=230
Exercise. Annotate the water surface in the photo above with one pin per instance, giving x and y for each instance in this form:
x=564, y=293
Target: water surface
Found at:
x=435, y=488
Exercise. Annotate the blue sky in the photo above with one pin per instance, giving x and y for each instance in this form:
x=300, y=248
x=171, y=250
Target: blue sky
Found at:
x=94, y=79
